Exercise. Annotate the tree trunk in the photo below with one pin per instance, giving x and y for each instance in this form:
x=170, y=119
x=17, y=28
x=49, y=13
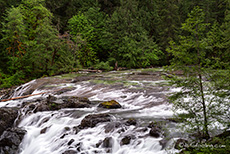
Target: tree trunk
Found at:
x=206, y=134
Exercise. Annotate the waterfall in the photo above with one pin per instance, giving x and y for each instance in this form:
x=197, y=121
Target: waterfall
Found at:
x=57, y=131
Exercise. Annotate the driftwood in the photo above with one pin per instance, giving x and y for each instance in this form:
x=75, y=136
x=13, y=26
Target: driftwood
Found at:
x=94, y=71
x=15, y=98
x=19, y=97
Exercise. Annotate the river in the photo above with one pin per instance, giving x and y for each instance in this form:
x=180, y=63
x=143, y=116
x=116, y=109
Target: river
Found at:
x=141, y=93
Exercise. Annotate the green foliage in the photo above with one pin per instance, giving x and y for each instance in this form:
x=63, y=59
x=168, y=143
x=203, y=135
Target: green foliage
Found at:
x=31, y=43
x=103, y=66
x=7, y=81
x=129, y=33
x=84, y=33
x=199, y=95
x=126, y=39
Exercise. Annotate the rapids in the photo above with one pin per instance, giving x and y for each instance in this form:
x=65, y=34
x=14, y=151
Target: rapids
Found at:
x=141, y=93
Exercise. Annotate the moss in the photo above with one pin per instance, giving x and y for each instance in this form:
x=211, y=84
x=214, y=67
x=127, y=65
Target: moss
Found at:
x=69, y=75
x=110, y=104
x=151, y=69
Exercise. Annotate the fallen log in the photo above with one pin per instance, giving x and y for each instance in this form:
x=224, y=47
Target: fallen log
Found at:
x=94, y=71
x=15, y=98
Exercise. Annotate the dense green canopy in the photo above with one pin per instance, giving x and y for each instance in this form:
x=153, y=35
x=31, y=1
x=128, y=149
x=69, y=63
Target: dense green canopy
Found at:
x=47, y=37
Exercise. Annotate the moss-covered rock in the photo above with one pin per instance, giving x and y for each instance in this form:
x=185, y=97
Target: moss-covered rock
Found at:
x=110, y=105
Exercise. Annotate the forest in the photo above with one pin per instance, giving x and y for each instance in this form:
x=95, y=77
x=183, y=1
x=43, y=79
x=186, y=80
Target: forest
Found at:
x=48, y=37
x=189, y=39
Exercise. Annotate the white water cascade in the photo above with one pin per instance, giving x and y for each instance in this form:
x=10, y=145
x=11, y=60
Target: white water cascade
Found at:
x=53, y=132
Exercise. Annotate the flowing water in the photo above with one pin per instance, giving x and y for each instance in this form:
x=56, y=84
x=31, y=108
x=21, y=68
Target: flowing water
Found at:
x=141, y=95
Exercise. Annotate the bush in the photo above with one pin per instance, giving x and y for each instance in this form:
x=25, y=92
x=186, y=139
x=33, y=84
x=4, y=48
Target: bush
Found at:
x=103, y=66
x=9, y=81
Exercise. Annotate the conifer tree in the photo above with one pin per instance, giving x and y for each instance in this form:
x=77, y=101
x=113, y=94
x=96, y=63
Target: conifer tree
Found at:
x=199, y=97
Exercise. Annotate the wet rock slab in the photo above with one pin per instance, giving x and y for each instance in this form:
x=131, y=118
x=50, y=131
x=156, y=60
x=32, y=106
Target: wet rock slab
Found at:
x=7, y=118
x=53, y=103
x=93, y=119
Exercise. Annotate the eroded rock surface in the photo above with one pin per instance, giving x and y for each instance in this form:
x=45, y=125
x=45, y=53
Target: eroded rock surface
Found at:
x=7, y=118
x=10, y=140
x=93, y=119
x=53, y=103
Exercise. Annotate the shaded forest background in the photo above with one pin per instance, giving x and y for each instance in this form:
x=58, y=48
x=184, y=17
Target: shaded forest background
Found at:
x=48, y=37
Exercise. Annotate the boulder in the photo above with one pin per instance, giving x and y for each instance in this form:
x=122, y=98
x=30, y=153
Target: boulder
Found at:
x=11, y=139
x=7, y=118
x=93, y=119
x=110, y=105
x=53, y=103
x=155, y=132
x=126, y=140
x=71, y=141
x=130, y=122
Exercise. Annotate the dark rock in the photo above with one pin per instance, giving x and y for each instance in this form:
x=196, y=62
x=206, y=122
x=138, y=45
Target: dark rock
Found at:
x=154, y=124
x=53, y=103
x=67, y=128
x=93, y=119
x=70, y=152
x=111, y=126
x=99, y=143
x=180, y=144
x=155, y=132
x=63, y=136
x=32, y=106
x=43, y=131
x=7, y=118
x=126, y=140
x=71, y=141
x=110, y=105
x=124, y=96
x=11, y=139
x=78, y=146
x=130, y=122
x=107, y=142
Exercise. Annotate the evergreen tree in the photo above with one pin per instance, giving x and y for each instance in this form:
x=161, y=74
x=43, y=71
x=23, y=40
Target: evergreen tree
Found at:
x=30, y=40
x=84, y=34
x=168, y=25
x=126, y=39
x=226, y=34
x=199, y=96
